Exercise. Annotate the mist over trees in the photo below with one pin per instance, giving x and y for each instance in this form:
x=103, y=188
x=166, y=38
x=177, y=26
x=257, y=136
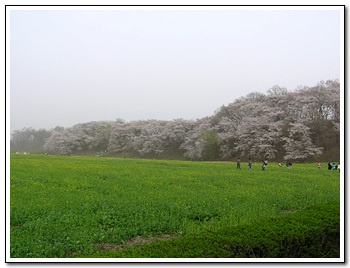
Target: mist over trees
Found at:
x=299, y=125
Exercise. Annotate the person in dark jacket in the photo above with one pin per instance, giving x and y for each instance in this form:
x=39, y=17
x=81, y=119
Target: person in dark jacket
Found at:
x=238, y=163
x=329, y=166
x=264, y=164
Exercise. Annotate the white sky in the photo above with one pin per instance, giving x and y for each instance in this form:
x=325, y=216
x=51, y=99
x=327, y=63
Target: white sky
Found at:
x=73, y=66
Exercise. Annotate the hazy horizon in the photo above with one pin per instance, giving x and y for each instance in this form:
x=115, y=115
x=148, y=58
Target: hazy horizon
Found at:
x=74, y=66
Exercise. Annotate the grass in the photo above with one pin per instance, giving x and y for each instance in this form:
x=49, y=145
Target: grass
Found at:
x=309, y=233
x=70, y=206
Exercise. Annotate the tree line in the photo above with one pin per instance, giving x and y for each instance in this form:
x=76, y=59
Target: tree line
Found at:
x=299, y=125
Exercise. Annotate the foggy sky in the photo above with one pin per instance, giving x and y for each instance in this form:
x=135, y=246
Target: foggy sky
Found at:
x=70, y=66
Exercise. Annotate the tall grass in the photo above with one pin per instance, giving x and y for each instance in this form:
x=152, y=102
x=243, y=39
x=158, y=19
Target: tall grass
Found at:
x=62, y=206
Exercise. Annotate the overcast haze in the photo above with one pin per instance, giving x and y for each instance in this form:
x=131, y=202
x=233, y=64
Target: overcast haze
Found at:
x=70, y=67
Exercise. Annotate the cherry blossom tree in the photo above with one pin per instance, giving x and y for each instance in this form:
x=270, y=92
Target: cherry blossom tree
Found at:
x=299, y=124
x=298, y=144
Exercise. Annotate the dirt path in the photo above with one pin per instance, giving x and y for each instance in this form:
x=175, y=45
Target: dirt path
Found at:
x=138, y=240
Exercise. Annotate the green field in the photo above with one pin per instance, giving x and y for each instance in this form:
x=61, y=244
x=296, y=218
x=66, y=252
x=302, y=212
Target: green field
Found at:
x=64, y=207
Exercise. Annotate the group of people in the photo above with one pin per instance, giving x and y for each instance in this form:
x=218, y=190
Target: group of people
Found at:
x=264, y=164
x=288, y=165
x=250, y=164
x=333, y=166
x=263, y=167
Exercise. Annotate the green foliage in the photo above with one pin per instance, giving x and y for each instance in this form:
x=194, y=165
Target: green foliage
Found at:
x=310, y=233
x=70, y=206
x=209, y=139
x=29, y=140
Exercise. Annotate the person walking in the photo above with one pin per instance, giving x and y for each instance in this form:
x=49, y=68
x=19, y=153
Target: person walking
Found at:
x=238, y=163
x=319, y=165
x=250, y=163
x=264, y=164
